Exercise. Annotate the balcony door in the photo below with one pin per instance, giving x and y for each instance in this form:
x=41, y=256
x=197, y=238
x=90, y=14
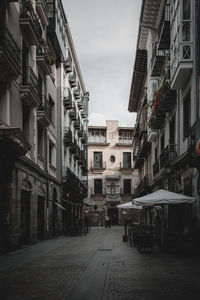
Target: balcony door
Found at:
x=98, y=159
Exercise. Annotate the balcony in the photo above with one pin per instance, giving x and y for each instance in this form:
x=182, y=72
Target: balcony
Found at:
x=68, y=62
x=67, y=136
x=167, y=101
x=156, y=167
x=56, y=28
x=80, y=132
x=80, y=104
x=67, y=101
x=72, y=78
x=167, y=156
x=84, y=138
x=42, y=10
x=84, y=114
x=72, y=147
x=157, y=120
x=83, y=158
x=29, y=23
x=77, y=92
x=98, y=166
x=30, y=88
x=164, y=30
x=13, y=138
x=143, y=151
x=72, y=113
x=182, y=66
x=44, y=60
x=44, y=112
x=143, y=186
x=10, y=57
x=157, y=61
x=77, y=122
x=77, y=153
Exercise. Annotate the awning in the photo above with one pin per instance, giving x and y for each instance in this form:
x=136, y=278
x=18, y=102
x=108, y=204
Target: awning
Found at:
x=59, y=205
x=129, y=205
x=162, y=197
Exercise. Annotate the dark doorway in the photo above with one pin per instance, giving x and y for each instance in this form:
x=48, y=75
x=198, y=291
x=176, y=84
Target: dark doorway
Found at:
x=41, y=218
x=54, y=214
x=113, y=214
x=25, y=217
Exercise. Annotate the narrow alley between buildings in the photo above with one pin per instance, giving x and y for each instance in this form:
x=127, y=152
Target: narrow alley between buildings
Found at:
x=97, y=266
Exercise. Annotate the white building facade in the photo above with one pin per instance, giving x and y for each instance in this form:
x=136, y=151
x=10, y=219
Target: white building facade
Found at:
x=111, y=178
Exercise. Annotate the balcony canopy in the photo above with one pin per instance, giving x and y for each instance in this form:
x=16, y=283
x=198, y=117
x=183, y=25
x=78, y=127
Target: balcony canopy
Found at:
x=162, y=197
x=148, y=19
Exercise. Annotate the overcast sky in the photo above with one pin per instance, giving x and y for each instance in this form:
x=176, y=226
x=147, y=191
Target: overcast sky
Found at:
x=105, y=35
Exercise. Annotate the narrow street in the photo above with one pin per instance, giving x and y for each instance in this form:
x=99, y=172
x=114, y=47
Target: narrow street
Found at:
x=96, y=266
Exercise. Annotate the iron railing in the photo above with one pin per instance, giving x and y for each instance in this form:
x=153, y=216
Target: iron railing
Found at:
x=29, y=78
x=8, y=42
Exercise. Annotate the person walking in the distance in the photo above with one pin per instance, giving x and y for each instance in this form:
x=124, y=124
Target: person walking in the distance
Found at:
x=107, y=221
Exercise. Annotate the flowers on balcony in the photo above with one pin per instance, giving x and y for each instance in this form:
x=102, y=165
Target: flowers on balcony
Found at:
x=163, y=101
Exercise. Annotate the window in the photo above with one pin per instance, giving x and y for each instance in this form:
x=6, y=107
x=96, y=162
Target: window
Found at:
x=25, y=121
x=186, y=9
x=50, y=152
x=98, y=159
x=156, y=153
x=127, y=160
x=162, y=142
x=112, y=158
x=127, y=186
x=40, y=142
x=186, y=113
x=52, y=110
x=172, y=131
x=125, y=136
x=97, y=136
x=98, y=186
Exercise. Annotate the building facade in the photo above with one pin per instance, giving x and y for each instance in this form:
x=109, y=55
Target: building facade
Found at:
x=111, y=178
x=33, y=48
x=165, y=95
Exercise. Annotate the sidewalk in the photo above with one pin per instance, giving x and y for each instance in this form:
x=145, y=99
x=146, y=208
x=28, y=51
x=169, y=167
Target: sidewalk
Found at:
x=96, y=266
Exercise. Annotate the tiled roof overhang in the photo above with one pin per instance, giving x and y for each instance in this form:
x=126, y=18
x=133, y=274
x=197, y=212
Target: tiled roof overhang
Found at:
x=148, y=18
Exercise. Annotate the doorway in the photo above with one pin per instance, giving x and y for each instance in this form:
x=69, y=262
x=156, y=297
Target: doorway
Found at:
x=113, y=214
x=25, y=216
x=41, y=218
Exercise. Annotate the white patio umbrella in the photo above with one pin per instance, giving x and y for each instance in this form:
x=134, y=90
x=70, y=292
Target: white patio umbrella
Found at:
x=129, y=205
x=162, y=197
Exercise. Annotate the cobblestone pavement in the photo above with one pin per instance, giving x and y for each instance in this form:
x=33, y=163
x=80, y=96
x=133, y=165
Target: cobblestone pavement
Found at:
x=96, y=266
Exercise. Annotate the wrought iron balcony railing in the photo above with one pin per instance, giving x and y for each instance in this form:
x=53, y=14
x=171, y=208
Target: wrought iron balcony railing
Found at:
x=167, y=155
x=30, y=79
x=29, y=22
x=44, y=112
x=156, y=167
x=67, y=101
x=164, y=29
x=10, y=56
x=67, y=136
x=157, y=61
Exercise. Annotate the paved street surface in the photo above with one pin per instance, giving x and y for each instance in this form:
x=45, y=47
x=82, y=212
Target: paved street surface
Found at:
x=97, y=266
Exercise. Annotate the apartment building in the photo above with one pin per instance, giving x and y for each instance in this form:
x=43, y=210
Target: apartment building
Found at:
x=165, y=95
x=33, y=49
x=74, y=136
x=111, y=178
